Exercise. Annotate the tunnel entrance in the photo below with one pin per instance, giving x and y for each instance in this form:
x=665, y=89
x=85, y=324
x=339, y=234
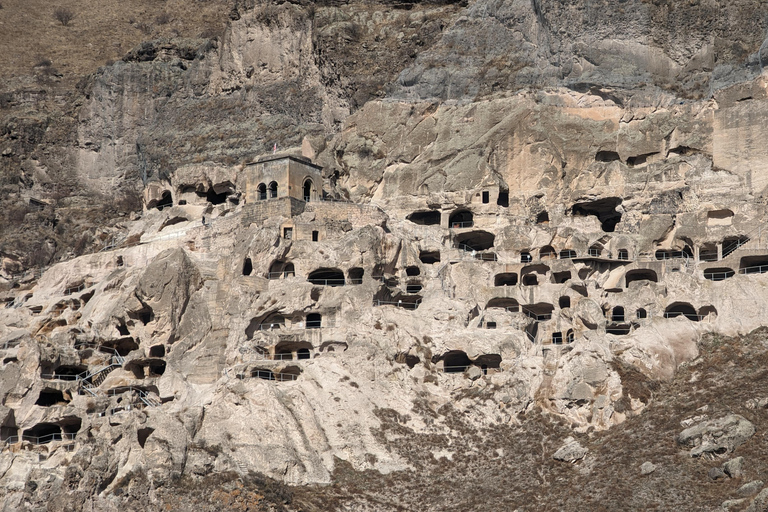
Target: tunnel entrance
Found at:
x=425, y=218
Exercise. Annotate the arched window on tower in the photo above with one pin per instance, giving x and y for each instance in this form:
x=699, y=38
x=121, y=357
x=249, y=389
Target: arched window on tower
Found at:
x=308, y=189
x=273, y=189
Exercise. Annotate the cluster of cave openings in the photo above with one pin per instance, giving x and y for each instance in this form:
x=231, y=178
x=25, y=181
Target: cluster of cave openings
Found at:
x=506, y=279
x=425, y=218
x=603, y=209
x=461, y=219
x=718, y=274
x=547, y=253
x=281, y=269
x=429, y=257
x=505, y=303
x=293, y=350
x=356, y=275
x=753, y=265
x=50, y=397
x=327, y=277
x=641, y=275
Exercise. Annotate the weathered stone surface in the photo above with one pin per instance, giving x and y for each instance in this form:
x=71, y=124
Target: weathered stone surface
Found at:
x=750, y=489
x=734, y=468
x=646, y=468
x=571, y=451
x=717, y=436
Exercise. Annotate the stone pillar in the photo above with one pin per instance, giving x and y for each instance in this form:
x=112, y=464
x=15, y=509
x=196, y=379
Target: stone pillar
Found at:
x=719, y=251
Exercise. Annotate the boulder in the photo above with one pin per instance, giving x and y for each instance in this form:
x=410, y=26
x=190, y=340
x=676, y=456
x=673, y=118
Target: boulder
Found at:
x=647, y=468
x=734, y=467
x=717, y=436
x=571, y=451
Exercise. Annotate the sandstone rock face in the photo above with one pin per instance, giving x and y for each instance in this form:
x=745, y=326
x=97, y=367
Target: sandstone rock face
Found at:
x=497, y=235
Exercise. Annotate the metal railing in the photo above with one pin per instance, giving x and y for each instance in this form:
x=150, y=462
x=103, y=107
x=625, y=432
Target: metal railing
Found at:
x=708, y=256
x=539, y=318
x=399, y=304
x=463, y=224
x=269, y=375
x=327, y=282
x=689, y=316
x=75, y=289
x=63, y=436
x=759, y=269
x=278, y=275
x=718, y=276
x=314, y=324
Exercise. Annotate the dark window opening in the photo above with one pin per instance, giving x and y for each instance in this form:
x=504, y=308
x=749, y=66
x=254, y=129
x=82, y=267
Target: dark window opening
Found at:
x=557, y=338
x=165, y=201
x=261, y=373
x=356, y=275
x=718, y=274
x=525, y=257
x=547, y=253
x=308, y=186
x=412, y=271
x=708, y=252
x=425, y=218
x=603, y=209
x=753, y=264
x=288, y=233
x=408, y=359
x=262, y=191
x=315, y=236
x=507, y=304
x=212, y=197
x=288, y=374
x=486, y=197
x=567, y=254
x=429, y=257
x=327, y=277
x=595, y=251
x=490, y=325
x=120, y=261
x=641, y=275
x=530, y=280
x=303, y=353
x=157, y=351
x=247, y=267
x=564, y=302
x=143, y=434
x=461, y=219
x=273, y=189
x=641, y=313
x=607, y=156
x=618, y=314
x=456, y=362
x=146, y=315
x=508, y=279
x=542, y=218
x=503, y=199
x=561, y=277
x=475, y=241
x=569, y=336
x=681, y=309
x=43, y=433
x=157, y=368
x=413, y=288
x=123, y=330
x=623, y=254
x=50, y=397
x=539, y=311
x=314, y=321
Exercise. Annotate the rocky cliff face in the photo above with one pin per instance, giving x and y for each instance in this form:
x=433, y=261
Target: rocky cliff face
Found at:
x=542, y=221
